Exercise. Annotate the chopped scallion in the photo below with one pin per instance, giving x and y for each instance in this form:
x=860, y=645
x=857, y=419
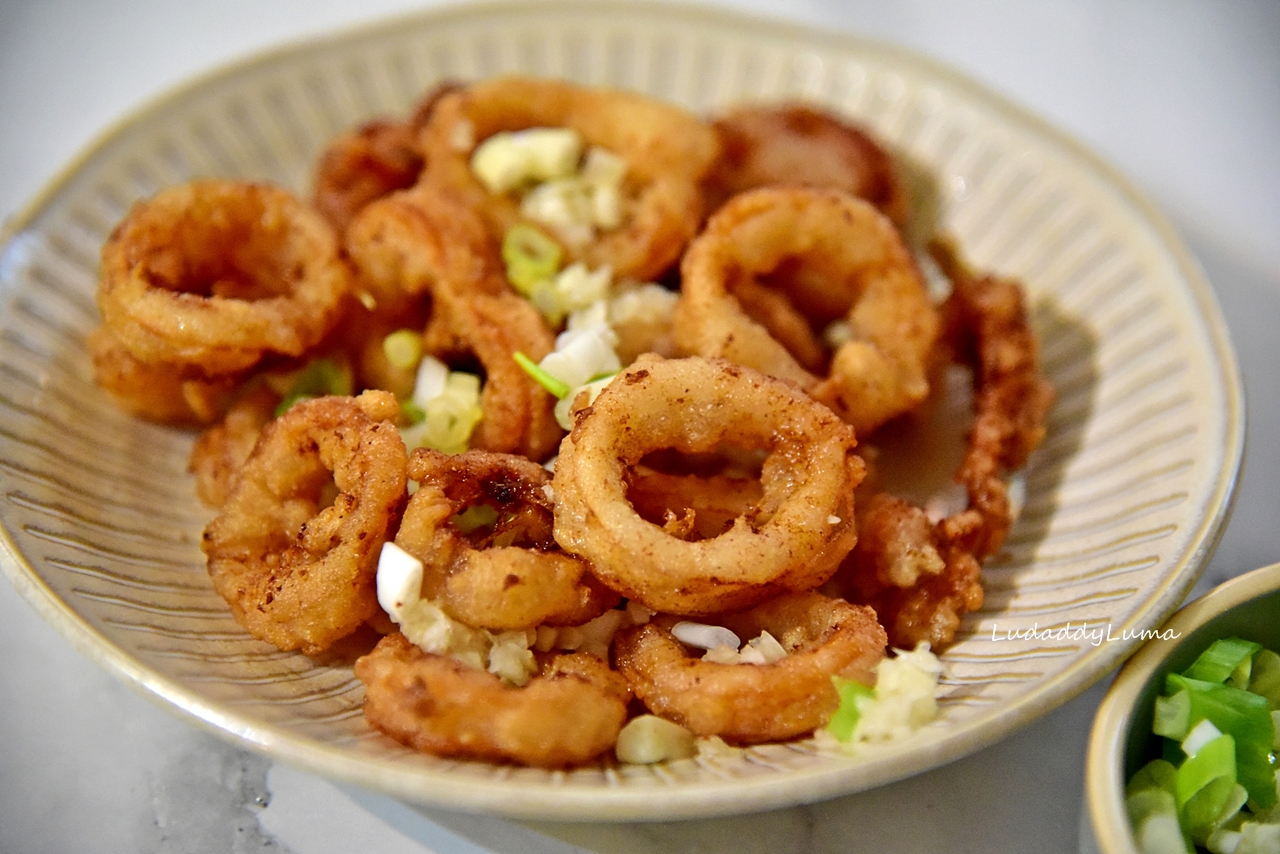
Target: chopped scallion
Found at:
x=403, y=349
x=556, y=387
x=530, y=257
x=845, y=719
x=319, y=378
x=1223, y=659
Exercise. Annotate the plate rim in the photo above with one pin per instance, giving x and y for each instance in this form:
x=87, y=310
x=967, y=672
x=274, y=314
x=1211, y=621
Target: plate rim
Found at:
x=698, y=799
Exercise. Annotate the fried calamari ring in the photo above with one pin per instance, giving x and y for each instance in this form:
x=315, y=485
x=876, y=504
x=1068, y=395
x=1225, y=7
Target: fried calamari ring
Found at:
x=519, y=414
x=793, y=538
x=752, y=703
x=219, y=452
x=800, y=144
x=417, y=242
x=567, y=715
x=297, y=573
x=667, y=151
x=920, y=576
x=370, y=162
x=215, y=275
x=159, y=392
x=833, y=255
x=504, y=576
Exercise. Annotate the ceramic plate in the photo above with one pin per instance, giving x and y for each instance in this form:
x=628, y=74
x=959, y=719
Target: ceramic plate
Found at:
x=1125, y=498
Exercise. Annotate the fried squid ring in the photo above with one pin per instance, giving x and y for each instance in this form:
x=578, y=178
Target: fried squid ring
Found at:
x=156, y=392
x=510, y=575
x=667, y=151
x=567, y=715
x=419, y=242
x=219, y=452
x=800, y=144
x=215, y=275
x=793, y=538
x=920, y=576
x=297, y=573
x=370, y=162
x=752, y=703
x=519, y=414
x=833, y=255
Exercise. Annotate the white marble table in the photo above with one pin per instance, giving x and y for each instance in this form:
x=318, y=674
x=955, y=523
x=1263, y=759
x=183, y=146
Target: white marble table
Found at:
x=1184, y=97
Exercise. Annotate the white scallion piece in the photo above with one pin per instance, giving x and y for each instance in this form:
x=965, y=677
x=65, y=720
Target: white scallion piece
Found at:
x=1200, y=735
x=399, y=579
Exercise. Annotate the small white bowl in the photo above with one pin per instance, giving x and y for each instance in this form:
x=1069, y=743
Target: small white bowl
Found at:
x=1121, y=741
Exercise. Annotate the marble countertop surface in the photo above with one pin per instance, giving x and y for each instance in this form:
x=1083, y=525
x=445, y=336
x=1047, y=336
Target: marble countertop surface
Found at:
x=1182, y=96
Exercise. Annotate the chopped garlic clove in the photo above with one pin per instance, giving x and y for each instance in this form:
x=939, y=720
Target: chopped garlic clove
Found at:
x=705, y=636
x=647, y=739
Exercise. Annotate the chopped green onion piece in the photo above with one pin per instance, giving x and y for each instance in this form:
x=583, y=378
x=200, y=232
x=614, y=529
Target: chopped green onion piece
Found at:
x=411, y=412
x=1211, y=807
x=403, y=349
x=475, y=517
x=555, y=386
x=1222, y=659
x=1243, y=715
x=1200, y=735
x=448, y=418
x=1172, y=716
x=1154, y=817
x=449, y=424
x=1214, y=760
x=530, y=257
x=1156, y=774
x=320, y=377
x=845, y=719
x=1265, y=677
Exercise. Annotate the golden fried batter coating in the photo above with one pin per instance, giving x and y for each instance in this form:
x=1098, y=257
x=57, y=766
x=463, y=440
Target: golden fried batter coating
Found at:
x=508, y=575
x=667, y=152
x=298, y=573
x=792, y=539
x=215, y=275
x=220, y=451
x=833, y=256
x=795, y=143
x=751, y=703
x=567, y=715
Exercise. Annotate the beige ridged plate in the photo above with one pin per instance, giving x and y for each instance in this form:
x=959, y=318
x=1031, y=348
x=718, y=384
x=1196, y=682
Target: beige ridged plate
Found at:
x=1125, y=498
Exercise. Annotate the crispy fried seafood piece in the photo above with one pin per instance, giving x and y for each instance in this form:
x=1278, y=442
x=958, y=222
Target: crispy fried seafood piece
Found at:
x=508, y=574
x=832, y=256
x=567, y=715
x=793, y=538
x=214, y=275
x=372, y=161
x=419, y=242
x=921, y=577
x=219, y=452
x=519, y=414
x=163, y=393
x=667, y=152
x=800, y=144
x=295, y=572
x=751, y=703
